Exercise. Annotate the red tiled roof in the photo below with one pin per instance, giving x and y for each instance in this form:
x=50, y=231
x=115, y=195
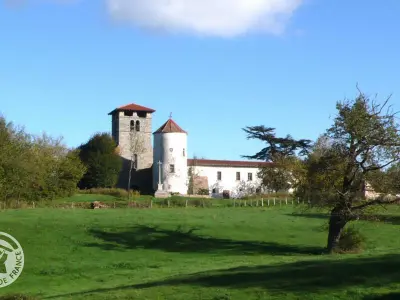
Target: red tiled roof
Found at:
x=170, y=127
x=227, y=163
x=133, y=107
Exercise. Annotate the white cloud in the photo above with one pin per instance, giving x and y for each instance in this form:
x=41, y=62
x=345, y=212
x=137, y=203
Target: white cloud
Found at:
x=226, y=18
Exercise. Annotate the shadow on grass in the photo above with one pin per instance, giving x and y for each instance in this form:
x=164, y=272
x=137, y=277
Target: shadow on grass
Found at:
x=145, y=237
x=390, y=296
x=316, y=276
x=390, y=219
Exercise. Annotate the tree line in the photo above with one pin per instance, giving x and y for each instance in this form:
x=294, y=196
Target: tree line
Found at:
x=34, y=167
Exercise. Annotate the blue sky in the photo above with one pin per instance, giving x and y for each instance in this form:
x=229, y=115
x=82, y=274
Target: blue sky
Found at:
x=65, y=64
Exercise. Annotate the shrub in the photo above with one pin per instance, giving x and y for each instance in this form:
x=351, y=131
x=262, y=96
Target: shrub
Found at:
x=203, y=192
x=351, y=241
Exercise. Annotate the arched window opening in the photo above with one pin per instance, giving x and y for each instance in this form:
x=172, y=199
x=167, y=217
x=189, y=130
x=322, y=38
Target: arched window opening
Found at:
x=132, y=125
x=137, y=126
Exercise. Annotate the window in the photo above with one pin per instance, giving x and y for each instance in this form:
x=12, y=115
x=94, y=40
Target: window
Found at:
x=135, y=161
x=184, y=154
x=128, y=113
x=214, y=190
x=132, y=125
x=250, y=176
x=237, y=175
x=141, y=114
x=219, y=175
x=137, y=126
x=172, y=168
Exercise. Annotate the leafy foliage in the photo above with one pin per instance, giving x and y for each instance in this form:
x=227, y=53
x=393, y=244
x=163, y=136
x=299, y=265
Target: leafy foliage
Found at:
x=103, y=163
x=276, y=146
x=35, y=167
x=351, y=240
x=283, y=152
x=203, y=192
x=276, y=178
x=362, y=142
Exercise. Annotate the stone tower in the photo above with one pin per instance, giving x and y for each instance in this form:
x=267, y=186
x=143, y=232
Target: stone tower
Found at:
x=170, y=159
x=132, y=131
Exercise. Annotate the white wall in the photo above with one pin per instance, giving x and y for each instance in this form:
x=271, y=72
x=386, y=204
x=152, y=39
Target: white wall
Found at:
x=163, y=143
x=228, y=180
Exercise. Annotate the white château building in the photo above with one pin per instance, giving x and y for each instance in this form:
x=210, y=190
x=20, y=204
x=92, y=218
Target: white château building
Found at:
x=164, y=166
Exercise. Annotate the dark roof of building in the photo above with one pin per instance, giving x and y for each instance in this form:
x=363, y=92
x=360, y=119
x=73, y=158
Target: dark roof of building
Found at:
x=170, y=127
x=133, y=107
x=227, y=163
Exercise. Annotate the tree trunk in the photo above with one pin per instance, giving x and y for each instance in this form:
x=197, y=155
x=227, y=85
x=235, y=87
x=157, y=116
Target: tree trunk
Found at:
x=129, y=178
x=337, y=222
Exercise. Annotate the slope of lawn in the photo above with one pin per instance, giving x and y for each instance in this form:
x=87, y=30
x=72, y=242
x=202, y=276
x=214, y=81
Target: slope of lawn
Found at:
x=198, y=253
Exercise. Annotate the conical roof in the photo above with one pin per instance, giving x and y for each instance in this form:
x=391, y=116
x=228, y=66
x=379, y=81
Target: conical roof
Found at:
x=170, y=127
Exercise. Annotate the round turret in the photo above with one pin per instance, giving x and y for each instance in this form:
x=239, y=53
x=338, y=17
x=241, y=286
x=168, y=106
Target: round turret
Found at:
x=170, y=159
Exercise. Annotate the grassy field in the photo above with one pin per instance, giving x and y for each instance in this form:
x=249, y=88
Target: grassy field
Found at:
x=196, y=253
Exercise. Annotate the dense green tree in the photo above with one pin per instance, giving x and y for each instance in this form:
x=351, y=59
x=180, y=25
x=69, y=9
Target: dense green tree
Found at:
x=103, y=163
x=14, y=160
x=34, y=168
x=277, y=177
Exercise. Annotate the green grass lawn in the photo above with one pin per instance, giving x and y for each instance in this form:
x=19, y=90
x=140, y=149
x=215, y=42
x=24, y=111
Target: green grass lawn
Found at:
x=195, y=253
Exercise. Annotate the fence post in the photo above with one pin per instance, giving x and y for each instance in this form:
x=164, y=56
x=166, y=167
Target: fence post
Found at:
x=33, y=204
x=268, y=202
x=186, y=202
x=168, y=203
x=245, y=203
x=234, y=202
x=274, y=201
x=262, y=201
x=286, y=200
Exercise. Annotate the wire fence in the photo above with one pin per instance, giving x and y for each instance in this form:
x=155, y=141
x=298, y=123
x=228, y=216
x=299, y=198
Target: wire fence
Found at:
x=156, y=203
